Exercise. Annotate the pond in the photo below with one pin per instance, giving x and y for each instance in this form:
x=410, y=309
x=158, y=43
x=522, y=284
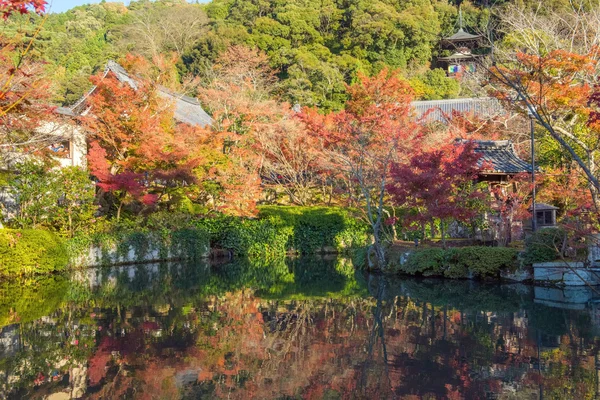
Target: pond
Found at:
x=305, y=329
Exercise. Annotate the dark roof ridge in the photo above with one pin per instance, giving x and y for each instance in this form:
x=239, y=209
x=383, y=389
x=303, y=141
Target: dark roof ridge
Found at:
x=544, y=207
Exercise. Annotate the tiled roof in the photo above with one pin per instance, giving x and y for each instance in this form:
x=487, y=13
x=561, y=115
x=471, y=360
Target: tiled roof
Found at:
x=441, y=110
x=187, y=110
x=499, y=157
x=65, y=111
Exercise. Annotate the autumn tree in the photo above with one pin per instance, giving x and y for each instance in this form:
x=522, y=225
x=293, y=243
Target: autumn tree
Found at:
x=439, y=184
x=136, y=150
x=290, y=158
x=362, y=142
x=511, y=201
x=25, y=117
x=261, y=141
x=24, y=92
x=547, y=68
x=8, y=7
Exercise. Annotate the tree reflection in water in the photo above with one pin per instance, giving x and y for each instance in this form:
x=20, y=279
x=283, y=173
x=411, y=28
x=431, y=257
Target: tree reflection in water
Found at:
x=310, y=329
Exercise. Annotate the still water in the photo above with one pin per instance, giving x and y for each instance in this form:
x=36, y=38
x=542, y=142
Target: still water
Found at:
x=299, y=329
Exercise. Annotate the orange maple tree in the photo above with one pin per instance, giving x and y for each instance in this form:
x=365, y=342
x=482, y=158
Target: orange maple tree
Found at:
x=241, y=111
x=24, y=92
x=557, y=89
x=362, y=142
x=136, y=149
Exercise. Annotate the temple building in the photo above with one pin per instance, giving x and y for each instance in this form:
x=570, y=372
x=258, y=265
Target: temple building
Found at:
x=187, y=109
x=442, y=111
x=499, y=161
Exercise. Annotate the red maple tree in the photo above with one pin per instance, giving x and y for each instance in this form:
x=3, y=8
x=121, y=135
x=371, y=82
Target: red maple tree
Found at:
x=438, y=184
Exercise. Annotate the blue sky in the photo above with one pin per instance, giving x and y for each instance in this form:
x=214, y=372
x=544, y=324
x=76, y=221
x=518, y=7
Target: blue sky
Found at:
x=64, y=5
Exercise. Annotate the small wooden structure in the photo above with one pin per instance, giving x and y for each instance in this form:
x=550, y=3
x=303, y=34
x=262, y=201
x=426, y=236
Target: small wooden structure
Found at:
x=70, y=148
x=545, y=215
x=499, y=163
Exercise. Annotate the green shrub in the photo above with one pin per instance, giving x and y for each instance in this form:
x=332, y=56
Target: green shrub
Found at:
x=263, y=238
x=193, y=242
x=277, y=231
x=27, y=252
x=281, y=230
x=485, y=261
x=427, y=262
x=460, y=262
x=543, y=246
x=316, y=228
x=454, y=266
x=61, y=200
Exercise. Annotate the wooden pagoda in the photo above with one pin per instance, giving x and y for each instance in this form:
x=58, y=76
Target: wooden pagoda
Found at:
x=461, y=47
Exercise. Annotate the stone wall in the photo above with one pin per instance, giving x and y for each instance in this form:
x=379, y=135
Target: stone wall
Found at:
x=564, y=273
x=143, y=248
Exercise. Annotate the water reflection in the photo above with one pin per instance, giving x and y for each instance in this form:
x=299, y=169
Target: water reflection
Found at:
x=296, y=329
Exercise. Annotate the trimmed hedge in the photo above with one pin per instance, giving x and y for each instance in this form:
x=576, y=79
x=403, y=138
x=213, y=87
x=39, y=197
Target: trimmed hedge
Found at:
x=319, y=228
x=460, y=262
x=282, y=230
x=30, y=252
x=247, y=237
x=276, y=232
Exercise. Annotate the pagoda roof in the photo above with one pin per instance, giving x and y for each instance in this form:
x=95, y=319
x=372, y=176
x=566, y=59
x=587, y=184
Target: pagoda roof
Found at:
x=462, y=35
x=499, y=157
x=188, y=110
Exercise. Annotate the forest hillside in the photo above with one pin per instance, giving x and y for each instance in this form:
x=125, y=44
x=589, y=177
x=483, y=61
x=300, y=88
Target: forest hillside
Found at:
x=315, y=46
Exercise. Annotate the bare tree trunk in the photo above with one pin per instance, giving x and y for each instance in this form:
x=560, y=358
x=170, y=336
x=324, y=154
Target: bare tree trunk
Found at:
x=443, y=232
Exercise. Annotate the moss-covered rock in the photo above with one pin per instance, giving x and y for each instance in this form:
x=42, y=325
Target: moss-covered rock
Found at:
x=461, y=262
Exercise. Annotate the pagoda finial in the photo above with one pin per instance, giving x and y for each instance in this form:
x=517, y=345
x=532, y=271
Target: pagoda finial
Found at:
x=460, y=17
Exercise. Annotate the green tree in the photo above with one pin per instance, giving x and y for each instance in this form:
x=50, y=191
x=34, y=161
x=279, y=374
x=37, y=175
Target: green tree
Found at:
x=57, y=199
